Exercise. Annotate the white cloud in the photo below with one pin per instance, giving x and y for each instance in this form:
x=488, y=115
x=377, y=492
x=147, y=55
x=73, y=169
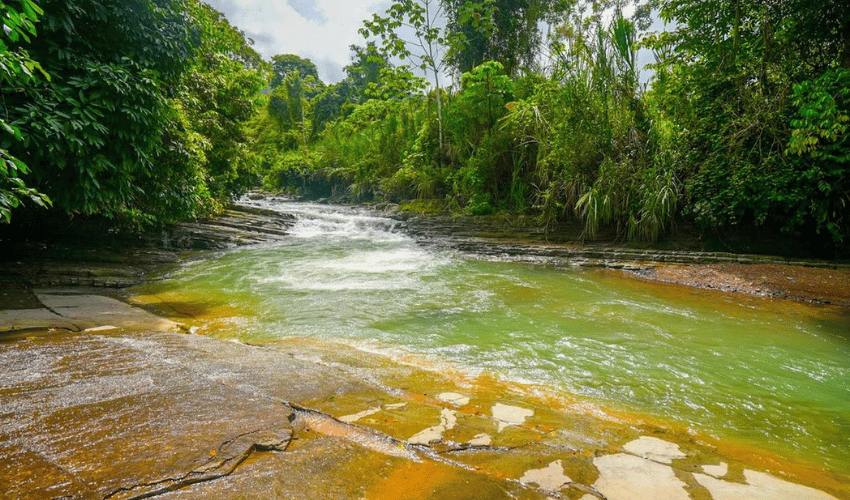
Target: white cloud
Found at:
x=320, y=30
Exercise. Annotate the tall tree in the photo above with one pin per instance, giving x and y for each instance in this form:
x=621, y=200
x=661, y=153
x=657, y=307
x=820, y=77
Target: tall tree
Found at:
x=219, y=94
x=506, y=31
x=428, y=44
x=284, y=64
x=745, y=79
x=365, y=68
x=136, y=115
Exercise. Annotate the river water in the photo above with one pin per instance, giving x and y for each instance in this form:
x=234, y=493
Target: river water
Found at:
x=772, y=375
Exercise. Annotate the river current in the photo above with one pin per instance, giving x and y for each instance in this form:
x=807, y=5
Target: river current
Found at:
x=770, y=374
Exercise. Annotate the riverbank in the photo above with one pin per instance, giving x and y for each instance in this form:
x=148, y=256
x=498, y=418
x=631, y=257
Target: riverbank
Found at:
x=799, y=282
x=109, y=409
x=72, y=261
x=120, y=412
x=805, y=280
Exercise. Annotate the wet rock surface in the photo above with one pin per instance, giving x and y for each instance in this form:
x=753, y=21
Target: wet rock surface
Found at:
x=67, y=310
x=93, y=416
x=107, y=262
x=796, y=279
x=826, y=284
x=124, y=414
x=239, y=225
x=100, y=400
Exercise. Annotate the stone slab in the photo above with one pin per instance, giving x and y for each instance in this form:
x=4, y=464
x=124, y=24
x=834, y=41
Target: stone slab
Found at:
x=654, y=449
x=92, y=311
x=759, y=485
x=627, y=477
x=31, y=319
x=100, y=416
x=550, y=478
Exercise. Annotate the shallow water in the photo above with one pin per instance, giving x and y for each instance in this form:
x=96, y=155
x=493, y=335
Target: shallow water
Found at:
x=772, y=375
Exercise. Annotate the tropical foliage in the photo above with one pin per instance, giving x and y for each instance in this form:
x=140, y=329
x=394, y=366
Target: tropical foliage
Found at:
x=147, y=110
x=741, y=121
x=17, y=70
x=128, y=110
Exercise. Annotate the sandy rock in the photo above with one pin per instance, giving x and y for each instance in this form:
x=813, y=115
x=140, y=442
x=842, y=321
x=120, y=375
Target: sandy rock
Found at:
x=510, y=415
x=654, y=449
x=627, y=477
x=550, y=478
x=717, y=471
x=454, y=398
x=357, y=416
x=481, y=440
x=759, y=485
x=448, y=421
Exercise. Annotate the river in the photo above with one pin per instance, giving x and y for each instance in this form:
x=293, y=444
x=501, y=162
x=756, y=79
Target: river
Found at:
x=770, y=374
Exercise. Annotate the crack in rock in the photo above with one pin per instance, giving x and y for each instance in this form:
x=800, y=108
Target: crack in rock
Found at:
x=383, y=443
x=229, y=457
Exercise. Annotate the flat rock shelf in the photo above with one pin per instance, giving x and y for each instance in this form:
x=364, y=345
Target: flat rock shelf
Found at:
x=125, y=414
x=105, y=398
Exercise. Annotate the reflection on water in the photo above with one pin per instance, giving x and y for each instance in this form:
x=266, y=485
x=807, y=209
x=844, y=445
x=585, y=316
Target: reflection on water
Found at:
x=769, y=373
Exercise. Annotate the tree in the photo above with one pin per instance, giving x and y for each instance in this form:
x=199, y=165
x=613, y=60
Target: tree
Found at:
x=746, y=79
x=479, y=105
x=331, y=104
x=428, y=45
x=17, y=71
x=219, y=93
x=505, y=31
x=365, y=69
x=289, y=107
x=93, y=129
x=285, y=64
x=137, y=115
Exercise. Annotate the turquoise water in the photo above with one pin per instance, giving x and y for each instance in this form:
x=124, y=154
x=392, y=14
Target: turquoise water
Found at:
x=772, y=374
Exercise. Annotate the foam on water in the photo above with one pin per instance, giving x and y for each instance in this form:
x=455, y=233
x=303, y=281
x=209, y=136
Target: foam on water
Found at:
x=774, y=373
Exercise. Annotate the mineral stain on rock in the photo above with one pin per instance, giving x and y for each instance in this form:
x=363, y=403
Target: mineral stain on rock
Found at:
x=118, y=414
x=654, y=449
x=454, y=398
x=448, y=421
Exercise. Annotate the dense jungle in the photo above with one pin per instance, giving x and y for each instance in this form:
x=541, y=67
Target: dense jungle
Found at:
x=143, y=112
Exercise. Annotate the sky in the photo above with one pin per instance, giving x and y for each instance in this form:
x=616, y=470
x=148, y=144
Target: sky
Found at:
x=321, y=30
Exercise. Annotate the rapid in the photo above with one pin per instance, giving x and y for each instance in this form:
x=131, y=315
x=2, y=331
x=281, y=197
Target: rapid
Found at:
x=769, y=374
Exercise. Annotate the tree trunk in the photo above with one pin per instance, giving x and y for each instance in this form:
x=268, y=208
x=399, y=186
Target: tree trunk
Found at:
x=439, y=114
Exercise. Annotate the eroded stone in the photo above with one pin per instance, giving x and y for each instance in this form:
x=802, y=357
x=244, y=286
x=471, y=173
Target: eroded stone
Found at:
x=94, y=311
x=654, y=449
x=510, y=415
x=759, y=485
x=717, y=471
x=627, y=477
x=25, y=319
x=481, y=440
x=550, y=478
x=357, y=416
x=454, y=398
x=448, y=421
x=134, y=414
